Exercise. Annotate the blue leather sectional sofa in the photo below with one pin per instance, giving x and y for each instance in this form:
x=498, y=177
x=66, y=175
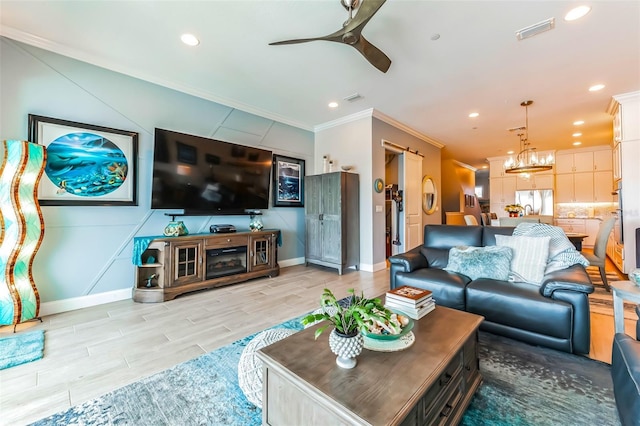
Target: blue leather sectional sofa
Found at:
x=554, y=313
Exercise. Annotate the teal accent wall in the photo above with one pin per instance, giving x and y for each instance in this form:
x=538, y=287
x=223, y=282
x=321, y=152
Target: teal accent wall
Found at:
x=87, y=250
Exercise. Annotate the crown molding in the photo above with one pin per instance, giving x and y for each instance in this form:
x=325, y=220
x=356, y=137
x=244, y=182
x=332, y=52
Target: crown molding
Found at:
x=60, y=49
x=372, y=112
x=465, y=165
x=401, y=126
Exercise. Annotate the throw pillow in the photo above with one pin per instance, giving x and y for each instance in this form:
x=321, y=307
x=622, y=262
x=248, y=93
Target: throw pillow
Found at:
x=480, y=262
x=562, y=253
x=530, y=256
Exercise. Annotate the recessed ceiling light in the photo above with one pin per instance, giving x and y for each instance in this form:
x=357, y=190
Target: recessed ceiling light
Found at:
x=577, y=134
x=509, y=152
x=435, y=37
x=578, y=123
x=189, y=39
x=473, y=115
x=333, y=105
x=576, y=143
x=577, y=13
x=596, y=87
x=485, y=167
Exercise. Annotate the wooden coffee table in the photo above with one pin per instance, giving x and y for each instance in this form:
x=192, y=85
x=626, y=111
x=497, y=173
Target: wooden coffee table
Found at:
x=432, y=381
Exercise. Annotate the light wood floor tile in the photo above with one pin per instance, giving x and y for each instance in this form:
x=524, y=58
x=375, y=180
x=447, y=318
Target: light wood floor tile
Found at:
x=93, y=351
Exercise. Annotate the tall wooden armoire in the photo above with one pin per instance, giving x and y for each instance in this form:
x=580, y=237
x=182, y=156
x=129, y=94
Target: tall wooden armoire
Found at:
x=332, y=219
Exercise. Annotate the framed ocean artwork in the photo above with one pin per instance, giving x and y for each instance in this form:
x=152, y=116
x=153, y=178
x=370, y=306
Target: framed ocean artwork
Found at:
x=288, y=181
x=86, y=165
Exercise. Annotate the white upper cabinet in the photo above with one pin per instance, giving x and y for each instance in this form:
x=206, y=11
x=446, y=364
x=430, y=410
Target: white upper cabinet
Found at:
x=574, y=162
x=602, y=160
x=535, y=181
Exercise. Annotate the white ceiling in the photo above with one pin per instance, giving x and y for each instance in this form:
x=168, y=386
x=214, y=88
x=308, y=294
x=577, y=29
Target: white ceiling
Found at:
x=431, y=87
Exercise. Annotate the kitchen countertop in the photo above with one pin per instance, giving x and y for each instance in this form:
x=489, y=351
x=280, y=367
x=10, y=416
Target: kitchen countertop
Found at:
x=578, y=217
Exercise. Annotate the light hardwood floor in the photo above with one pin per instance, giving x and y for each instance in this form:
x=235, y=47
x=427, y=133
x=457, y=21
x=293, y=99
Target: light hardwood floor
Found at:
x=92, y=351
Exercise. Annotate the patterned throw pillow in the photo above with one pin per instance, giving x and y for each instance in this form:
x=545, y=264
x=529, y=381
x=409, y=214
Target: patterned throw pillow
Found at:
x=480, y=262
x=562, y=253
x=530, y=256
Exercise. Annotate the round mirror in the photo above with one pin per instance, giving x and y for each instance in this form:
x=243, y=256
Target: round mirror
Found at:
x=429, y=195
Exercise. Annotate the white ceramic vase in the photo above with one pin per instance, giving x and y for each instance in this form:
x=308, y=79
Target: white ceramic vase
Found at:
x=634, y=276
x=347, y=348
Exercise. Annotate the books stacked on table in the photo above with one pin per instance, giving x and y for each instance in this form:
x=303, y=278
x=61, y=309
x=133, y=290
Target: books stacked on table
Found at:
x=415, y=302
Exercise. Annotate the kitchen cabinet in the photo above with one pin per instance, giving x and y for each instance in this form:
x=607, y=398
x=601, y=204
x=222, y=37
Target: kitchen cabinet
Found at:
x=573, y=188
x=496, y=168
x=602, y=160
x=617, y=161
x=603, y=186
x=542, y=180
x=332, y=220
x=502, y=192
x=576, y=226
x=574, y=162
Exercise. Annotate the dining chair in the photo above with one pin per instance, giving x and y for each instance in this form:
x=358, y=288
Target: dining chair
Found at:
x=599, y=256
x=470, y=219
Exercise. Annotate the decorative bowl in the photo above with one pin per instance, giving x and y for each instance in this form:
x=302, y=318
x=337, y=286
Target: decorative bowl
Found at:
x=404, y=331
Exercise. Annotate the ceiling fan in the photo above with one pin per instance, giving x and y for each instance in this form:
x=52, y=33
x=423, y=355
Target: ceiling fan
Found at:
x=350, y=33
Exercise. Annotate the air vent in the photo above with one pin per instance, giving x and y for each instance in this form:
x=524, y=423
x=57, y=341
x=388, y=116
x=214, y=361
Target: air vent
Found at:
x=536, y=29
x=517, y=129
x=352, y=98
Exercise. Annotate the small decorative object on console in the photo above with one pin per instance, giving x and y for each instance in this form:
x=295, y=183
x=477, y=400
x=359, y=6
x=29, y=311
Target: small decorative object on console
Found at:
x=256, y=223
x=634, y=276
x=175, y=228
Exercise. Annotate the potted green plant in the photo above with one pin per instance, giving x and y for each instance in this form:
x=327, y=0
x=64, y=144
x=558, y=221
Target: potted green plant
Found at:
x=349, y=317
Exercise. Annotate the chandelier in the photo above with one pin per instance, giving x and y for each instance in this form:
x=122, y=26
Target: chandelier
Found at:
x=527, y=160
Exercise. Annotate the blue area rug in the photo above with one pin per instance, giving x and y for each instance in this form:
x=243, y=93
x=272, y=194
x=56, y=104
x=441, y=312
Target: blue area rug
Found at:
x=21, y=348
x=523, y=385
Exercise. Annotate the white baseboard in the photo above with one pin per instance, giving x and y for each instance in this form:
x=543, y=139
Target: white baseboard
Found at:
x=58, y=306
x=65, y=305
x=367, y=267
x=291, y=262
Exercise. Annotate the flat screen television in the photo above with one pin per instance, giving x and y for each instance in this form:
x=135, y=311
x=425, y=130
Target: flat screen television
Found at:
x=208, y=176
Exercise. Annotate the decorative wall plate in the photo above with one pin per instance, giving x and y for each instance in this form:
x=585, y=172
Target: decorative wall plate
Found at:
x=378, y=185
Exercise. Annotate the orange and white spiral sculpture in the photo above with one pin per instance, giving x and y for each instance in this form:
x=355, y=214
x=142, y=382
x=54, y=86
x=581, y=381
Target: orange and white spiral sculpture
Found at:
x=21, y=166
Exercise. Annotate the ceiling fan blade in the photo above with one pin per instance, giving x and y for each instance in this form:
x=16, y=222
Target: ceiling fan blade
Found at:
x=350, y=34
x=375, y=56
x=367, y=9
x=337, y=36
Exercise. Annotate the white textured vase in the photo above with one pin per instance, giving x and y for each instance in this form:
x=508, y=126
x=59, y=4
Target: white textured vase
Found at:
x=347, y=348
x=634, y=276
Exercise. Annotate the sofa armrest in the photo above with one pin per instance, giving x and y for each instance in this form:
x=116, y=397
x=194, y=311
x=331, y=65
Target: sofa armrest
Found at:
x=409, y=261
x=573, y=278
x=625, y=373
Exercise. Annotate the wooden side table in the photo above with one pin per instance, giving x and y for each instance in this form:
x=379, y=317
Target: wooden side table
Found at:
x=622, y=290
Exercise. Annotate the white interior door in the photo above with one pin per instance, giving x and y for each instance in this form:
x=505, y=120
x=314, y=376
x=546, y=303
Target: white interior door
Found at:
x=411, y=185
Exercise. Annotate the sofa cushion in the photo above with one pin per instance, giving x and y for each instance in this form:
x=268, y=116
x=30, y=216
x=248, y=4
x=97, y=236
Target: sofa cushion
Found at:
x=481, y=262
x=447, y=287
x=520, y=305
x=489, y=234
x=529, y=257
x=438, y=240
x=562, y=253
